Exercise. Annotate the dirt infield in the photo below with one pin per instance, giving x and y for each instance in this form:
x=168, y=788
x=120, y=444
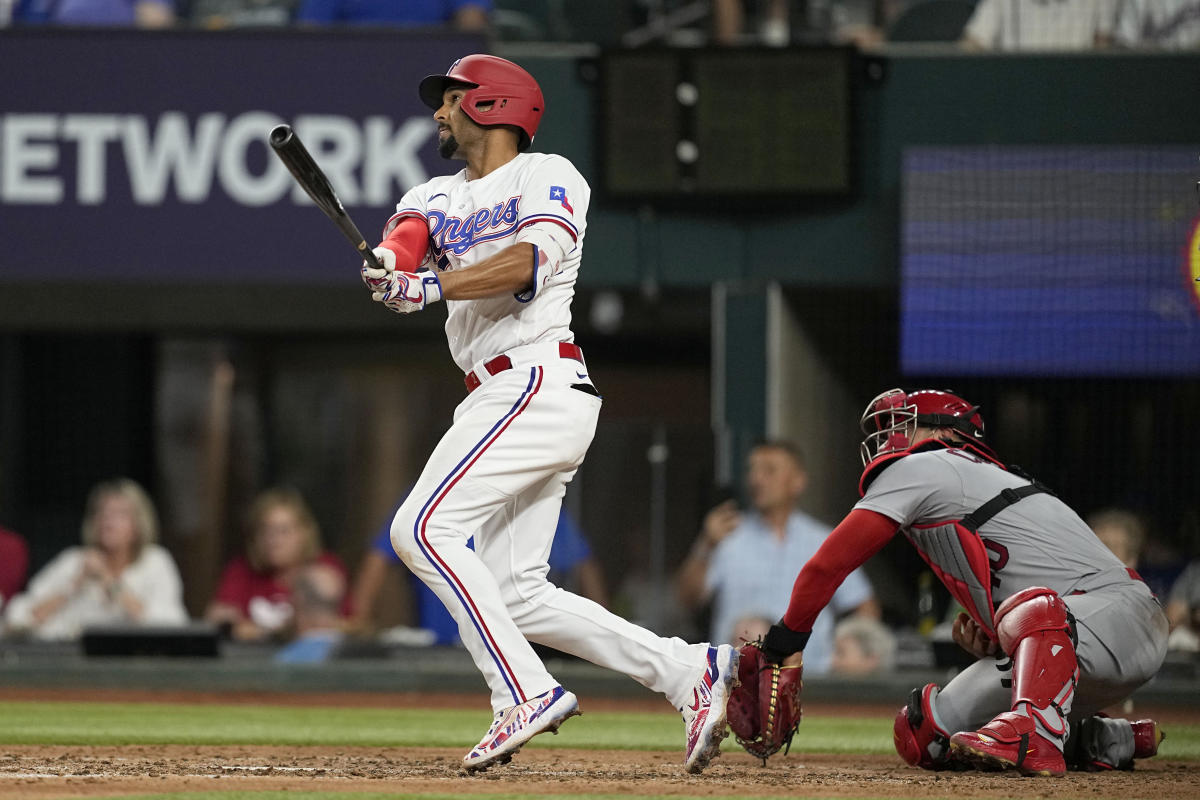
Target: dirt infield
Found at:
x=45, y=772
x=61, y=772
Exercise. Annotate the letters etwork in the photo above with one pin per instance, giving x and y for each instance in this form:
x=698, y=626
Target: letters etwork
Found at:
x=174, y=157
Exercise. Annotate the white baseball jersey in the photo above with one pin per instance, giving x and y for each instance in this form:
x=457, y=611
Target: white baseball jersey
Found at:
x=500, y=472
x=536, y=198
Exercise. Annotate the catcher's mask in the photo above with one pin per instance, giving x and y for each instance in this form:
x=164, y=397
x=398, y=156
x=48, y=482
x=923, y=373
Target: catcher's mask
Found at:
x=498, y=93
x=891, y=419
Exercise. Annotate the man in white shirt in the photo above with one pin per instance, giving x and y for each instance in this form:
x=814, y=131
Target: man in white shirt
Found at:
x=746, y=563
x=1040, y=24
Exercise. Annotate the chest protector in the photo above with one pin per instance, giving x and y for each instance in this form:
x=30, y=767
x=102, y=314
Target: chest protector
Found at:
x=953, y=549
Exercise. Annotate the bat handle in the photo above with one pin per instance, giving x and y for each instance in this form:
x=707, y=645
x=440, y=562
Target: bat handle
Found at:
x=372, y=260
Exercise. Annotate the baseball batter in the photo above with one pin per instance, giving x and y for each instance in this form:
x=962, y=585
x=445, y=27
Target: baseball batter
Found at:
x=1061, y=627
x=500, y=242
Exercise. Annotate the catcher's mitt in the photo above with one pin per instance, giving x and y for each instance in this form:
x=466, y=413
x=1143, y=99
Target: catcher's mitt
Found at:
x=764, y=710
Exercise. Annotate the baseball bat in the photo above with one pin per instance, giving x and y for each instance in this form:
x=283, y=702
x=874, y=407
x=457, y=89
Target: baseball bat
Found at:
x=304, y=169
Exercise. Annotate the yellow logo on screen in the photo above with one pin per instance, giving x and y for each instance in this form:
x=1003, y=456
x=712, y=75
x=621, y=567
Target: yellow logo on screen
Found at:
x=1193, y=261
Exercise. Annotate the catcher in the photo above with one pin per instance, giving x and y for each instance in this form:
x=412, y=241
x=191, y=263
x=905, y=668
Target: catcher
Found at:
x=1061, y=628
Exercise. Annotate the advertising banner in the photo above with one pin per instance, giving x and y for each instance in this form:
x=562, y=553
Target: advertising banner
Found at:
x=142, y=156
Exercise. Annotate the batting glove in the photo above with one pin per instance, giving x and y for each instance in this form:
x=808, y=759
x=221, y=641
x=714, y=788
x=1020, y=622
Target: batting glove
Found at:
x=378, y=280
x=410, y=291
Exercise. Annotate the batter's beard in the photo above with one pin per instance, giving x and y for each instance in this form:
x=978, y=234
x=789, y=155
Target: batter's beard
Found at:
x=448, y=147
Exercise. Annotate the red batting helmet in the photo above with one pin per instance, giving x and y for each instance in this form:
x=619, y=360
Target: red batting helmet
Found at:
x=514, y=96
x=891, y=418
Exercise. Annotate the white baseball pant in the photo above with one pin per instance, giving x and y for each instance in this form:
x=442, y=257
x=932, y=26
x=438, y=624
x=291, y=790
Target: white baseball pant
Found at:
x=499, y=474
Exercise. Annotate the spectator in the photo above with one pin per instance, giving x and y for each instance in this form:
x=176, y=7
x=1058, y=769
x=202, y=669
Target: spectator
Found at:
x=14, y=564
x=318, y=592
x=1163, y=24
x=1157, y=563
x=746, y=564
x=119, y=575
x=113, y=13
x=860, y=22
x=255, y=591
x=863, y=646
x=216, y=14
x=464, y=15
x=1122, y=532
x=729, y=23
x=1040, y=25
x=1183, y=610
x=572, y=566
x=857, y=22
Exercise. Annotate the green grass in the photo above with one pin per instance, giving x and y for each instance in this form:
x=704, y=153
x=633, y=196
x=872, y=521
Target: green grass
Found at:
x=153, y=723
x=157, y=724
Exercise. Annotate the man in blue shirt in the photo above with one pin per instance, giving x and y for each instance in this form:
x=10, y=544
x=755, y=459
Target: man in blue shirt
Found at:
x=745, y=564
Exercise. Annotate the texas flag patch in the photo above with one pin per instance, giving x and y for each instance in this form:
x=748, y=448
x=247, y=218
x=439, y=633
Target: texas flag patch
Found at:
x=560, y=194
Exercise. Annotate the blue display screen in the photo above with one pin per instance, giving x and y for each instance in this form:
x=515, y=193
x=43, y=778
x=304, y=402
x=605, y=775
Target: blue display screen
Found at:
x=1048, y=261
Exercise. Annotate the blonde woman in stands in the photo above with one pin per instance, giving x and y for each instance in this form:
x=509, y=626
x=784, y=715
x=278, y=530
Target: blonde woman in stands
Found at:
x=118, y=575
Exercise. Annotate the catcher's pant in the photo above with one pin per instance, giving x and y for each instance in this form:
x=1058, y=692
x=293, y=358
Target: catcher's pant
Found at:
x=1122, y=642
x=499, y=474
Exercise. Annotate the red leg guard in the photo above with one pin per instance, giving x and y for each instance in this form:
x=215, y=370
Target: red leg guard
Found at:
x=919, y=739
x=1034, y=628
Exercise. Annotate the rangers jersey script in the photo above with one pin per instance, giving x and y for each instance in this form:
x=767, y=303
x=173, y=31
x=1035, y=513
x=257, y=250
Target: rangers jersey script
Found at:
x=536, y=198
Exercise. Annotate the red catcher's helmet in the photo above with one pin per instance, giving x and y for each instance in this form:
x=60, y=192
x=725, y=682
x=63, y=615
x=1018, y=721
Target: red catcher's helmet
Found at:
x=514, y=96
x=891, y=418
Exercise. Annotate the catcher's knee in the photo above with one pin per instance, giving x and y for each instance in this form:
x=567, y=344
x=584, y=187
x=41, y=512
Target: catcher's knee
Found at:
x=1031, y=611
x=918, y=737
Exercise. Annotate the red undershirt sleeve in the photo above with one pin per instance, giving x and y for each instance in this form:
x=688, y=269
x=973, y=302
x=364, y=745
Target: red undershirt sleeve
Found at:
x=409, y=240
x=859, y=536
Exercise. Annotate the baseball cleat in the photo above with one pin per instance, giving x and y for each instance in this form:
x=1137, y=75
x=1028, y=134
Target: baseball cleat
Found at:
x=514, y=726
x=1010, y=741
x=1147, y=736
x=704, y=718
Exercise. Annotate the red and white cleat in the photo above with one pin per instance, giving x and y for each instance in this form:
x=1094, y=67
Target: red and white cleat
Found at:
x=515, y=726
x=704, y=718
